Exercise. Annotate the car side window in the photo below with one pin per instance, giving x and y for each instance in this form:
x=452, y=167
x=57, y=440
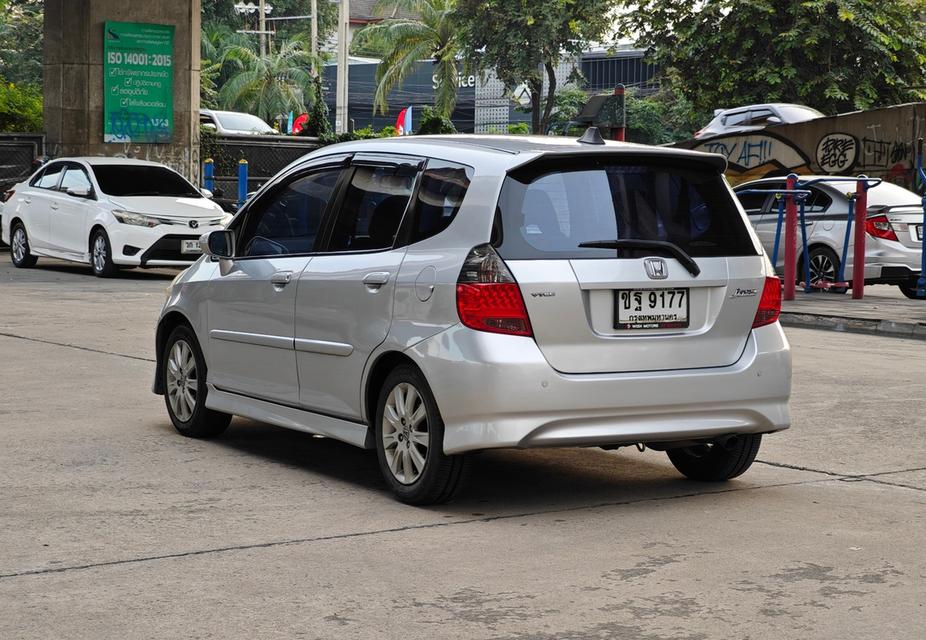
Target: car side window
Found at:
x=287, y=220
x=753, y=202
x=443, y=187
x=760, y=116
x=772, y=205
x=372, y=209
x=49, y=177
x=817, y=202
x=75, y=178
x=735, y=119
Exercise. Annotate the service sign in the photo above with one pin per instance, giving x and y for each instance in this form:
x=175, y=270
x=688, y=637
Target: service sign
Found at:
x=138, y=82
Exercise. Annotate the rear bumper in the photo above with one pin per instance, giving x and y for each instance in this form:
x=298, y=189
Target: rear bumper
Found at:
x=498, y=391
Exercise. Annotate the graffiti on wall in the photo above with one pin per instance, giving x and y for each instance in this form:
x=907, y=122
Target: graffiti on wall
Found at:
x=837, y=152
x=756, y=155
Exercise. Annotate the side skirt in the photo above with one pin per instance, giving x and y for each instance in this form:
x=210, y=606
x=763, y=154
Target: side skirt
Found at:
x=353, y=433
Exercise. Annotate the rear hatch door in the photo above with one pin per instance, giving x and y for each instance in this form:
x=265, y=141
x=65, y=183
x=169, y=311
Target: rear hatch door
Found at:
x=630, y=264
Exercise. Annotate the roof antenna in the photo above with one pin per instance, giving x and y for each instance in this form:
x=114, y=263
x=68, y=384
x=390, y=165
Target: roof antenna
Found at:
x=591, y=136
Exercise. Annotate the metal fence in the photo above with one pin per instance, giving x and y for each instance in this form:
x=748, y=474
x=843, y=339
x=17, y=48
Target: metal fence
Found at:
x=18, y=155
x=266, y=156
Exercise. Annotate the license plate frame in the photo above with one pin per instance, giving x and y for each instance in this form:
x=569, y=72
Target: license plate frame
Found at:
x=623, y=320
x=190, y=247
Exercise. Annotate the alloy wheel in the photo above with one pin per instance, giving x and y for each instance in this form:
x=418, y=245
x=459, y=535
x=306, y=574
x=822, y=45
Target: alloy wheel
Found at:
x=182, y=380
x=822, y=268
x=99, y=252
x=18, y=246
x=406, y=436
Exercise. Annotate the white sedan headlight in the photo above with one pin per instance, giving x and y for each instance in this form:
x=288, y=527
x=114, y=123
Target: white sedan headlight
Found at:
x=136, y=219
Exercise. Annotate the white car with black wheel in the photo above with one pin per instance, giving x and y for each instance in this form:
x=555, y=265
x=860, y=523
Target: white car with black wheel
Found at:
x=108, y=212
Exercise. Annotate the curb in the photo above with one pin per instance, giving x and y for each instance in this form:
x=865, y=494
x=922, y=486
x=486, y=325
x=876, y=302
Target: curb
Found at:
x=888, y=328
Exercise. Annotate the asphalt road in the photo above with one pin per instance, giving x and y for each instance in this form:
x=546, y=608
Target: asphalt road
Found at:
x=114, y=526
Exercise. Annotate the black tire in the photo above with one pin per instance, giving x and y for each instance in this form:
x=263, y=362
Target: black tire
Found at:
x=19, y=246
x=717, y=462
x=101, y=255
x=824, y=265
x=441, y=475
x=909, y=290
x=199, y=422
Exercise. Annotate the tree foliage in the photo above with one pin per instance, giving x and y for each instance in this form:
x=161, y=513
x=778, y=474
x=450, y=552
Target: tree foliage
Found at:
x=20, y=108
x=524, y=40
x=434, y=122
x=271, y=85
x=402, y=42
x=834, y=55
x=21, y=24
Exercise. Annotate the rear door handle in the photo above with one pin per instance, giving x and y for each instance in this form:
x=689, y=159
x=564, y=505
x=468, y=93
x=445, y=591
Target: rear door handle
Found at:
x=376, y=279
x=281, y=278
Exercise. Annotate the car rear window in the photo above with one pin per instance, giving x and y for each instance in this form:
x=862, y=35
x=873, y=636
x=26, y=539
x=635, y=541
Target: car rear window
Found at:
x=140, y=180
x=546, y=214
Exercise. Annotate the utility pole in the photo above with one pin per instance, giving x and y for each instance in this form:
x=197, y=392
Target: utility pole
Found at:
x=340, y=110
x=263, y=28
x=315, y=29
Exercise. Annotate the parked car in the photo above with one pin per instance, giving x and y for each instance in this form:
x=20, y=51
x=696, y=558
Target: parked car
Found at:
x=432, y=296
x=756, y=116
x=235, y=123
x=894, y=230
x=107, y=212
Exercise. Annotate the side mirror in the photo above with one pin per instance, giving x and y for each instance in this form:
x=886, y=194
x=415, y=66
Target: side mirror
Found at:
x=773, y=120
x=206, y=193
x=218, y=244
x=79, y=192
x=218, y=193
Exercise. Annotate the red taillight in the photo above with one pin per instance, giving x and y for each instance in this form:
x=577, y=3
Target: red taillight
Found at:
x=880, y=227
x=769, y=303
x=488, y=298
x=7, y=195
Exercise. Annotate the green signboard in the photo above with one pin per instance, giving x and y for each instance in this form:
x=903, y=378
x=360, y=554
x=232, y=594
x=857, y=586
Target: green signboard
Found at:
x=138, y=82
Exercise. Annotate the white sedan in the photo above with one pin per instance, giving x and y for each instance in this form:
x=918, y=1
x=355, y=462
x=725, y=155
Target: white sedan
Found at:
x=107, y=212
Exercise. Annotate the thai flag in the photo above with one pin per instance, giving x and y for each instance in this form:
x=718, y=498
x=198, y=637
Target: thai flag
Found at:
x=403, y=124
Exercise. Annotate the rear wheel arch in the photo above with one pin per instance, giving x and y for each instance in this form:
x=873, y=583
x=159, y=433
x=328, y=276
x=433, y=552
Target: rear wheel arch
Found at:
x=166, y=326
x=381, y=368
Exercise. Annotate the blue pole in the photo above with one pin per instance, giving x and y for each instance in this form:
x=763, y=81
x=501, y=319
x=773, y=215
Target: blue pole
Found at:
x=242, y=182
x=806, y=252
x=781, y=217
x=845, y=242
x=209, y=174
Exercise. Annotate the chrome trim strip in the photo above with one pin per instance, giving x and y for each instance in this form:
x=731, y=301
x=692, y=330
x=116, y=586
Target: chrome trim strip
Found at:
x=323, y=346
x=259, y=339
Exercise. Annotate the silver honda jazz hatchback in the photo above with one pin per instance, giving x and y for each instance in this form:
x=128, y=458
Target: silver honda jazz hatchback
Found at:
x=428, y=297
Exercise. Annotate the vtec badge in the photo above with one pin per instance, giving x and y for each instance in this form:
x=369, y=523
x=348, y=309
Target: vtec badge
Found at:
x=744, y=293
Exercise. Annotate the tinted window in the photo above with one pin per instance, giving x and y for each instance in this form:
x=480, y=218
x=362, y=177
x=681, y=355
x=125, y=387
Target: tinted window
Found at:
x=736, y=119
x=548, y=214
x=760, y=116
x=372, y=208
x=752, y=202
x=286, y=221
x=140, y=180
x=443, y=186
x=49, y=177
x=75, y=178
x=817, y=202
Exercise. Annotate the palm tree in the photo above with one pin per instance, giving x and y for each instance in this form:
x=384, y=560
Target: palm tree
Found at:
x=271, y=85
x=405, y=41
x=216, y=42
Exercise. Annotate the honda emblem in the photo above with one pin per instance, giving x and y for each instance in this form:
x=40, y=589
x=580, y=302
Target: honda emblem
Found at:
x=656, y=268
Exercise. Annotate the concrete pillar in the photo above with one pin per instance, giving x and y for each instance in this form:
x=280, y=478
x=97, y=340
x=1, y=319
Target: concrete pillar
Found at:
x=74, y=79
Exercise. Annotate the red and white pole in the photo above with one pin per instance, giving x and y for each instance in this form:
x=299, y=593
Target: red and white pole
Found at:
x=790, y=239
x=858, y=251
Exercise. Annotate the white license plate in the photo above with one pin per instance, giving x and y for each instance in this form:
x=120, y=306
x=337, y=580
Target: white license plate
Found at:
x=651, y=309
x=918, y=231
x=190, y=246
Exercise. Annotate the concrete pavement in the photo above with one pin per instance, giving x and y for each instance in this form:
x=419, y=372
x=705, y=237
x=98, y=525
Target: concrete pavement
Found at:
x=112, y=525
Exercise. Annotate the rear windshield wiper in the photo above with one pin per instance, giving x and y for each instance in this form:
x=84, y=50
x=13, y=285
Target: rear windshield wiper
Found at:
x=653, y=245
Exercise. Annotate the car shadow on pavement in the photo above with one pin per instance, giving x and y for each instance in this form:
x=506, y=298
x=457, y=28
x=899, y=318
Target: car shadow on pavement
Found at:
x=74, y=268
x=499, y=481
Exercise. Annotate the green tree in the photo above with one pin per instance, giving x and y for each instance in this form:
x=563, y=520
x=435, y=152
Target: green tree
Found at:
x=835, y=55
x=21, y=31
x=20, y=108
x=566, y=106
x=271, y=85
x=402, y=42
x=524, y=40
x=217, y=42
